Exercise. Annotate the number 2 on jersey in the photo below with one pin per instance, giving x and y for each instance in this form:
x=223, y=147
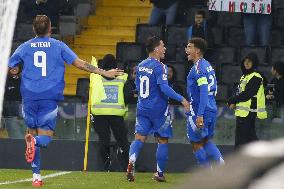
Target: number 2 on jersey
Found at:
x=212, y=79
x=40, y=64
x=144, y=80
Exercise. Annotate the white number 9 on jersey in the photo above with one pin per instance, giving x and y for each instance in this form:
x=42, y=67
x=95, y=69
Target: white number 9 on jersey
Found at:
x=40, y=64
x=144, y=93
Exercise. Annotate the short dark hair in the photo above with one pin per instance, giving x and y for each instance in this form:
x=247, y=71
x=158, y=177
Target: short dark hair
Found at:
x=152, y=43
x=41, y=25
x=279, y=67
x=199, y=43
x=200, y=12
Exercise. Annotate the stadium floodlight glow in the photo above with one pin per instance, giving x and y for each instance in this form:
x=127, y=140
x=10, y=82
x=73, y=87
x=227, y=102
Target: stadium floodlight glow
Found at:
x=8, y=15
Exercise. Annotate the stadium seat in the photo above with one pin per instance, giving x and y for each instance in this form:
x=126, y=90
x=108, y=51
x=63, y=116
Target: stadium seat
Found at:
x=277, y=38
x=218, y=36
x=227, y=19
x=277, y=54
x=128, y=51
x=67, y=25
x=260, y=51
x=222, y=93
x=170, y=54
x=221, y=55
x=143, y=31
x=280, y=18
x=24, y=32
x=82, y=89
x=176, y=35
x=236, y=37
x=266, y=72
x=82, y=10
x=180, y=69
x=180, y=54
x=230, y=74
x=278, y=4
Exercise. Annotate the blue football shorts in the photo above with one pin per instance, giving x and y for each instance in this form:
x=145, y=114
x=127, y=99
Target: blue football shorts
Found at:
x=40, y=114
x=196, y=134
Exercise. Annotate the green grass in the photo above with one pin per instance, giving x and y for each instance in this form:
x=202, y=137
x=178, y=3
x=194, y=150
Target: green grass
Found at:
x=89, y=180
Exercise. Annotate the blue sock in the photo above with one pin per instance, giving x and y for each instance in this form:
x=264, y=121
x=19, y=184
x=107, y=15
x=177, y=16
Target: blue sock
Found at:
x=36, y=162
x=134, y=150
x=42, y=141
x=201, y=157
x=162, y=158
x=213, y=152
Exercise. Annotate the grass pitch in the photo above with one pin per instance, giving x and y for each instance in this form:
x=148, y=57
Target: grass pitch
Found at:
x=89, y=180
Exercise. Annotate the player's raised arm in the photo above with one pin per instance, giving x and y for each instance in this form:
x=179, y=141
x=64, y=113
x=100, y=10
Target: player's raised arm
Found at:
x=83, y=65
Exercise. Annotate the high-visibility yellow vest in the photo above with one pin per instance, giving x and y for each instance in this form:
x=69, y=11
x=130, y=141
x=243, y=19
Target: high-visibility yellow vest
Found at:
x=114, y=103
x=243, y=108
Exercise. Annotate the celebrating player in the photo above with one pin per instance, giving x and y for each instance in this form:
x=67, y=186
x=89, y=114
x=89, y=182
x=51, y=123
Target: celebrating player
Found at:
x=152, y=108
x=202, y=89
x=42, y=86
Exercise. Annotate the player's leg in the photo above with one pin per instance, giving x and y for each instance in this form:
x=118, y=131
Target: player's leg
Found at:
x=163, y=127
x=195, y=136
x=120, y=134
x=142, y=129
x=210, y=148
x=101, y=127
x=46, y=122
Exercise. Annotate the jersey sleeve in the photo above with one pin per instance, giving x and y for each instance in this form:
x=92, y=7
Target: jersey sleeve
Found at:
x=16, y=58
x=161, y=73
x=67, y=54
x=202, y=83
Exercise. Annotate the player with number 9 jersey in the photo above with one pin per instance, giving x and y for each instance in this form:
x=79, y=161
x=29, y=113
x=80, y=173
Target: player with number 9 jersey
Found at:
x=43, y=70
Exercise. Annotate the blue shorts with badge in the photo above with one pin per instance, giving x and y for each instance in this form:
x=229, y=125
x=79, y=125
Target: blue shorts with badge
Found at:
x=195, y=134
x=159, y=127
x=40, y=114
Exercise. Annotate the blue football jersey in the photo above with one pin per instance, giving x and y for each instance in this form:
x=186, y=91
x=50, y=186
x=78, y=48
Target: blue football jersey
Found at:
x=149, y=75
x=202, y=73
x=43, y=67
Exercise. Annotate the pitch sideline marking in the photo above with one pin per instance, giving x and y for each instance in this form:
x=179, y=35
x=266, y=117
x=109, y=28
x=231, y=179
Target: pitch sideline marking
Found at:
x=30, y=180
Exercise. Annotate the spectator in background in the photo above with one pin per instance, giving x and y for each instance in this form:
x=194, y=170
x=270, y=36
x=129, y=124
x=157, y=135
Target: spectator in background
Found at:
x=257, y=28
x=108, y=114
x=162, y=8
x=277, y=92
x=200, y=28
x=130, y=92
x=11, y=108
x=172, y=78
x=249, y=102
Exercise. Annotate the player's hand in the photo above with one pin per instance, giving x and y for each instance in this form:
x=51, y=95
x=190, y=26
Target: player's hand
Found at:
x=199, y=122
x=113, y=73
x=232, y=106
x=186, y=105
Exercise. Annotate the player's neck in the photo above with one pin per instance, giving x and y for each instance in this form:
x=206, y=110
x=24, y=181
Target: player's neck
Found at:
x=197, y=59
x=152, y=55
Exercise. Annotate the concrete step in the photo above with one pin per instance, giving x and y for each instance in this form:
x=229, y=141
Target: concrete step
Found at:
x=123, y=11
x=95, y=49
x=126, y=3
x=116, y=21
x=124, y=31
x=102, y=40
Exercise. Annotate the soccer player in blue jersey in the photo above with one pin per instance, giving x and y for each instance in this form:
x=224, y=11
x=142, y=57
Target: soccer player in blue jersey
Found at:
x=152, y=107
x=202, y=89
x=42, y=86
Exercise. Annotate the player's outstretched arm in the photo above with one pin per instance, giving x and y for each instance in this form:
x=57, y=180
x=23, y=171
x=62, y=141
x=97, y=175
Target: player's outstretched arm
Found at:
x=83, y=65
x=169, y=92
